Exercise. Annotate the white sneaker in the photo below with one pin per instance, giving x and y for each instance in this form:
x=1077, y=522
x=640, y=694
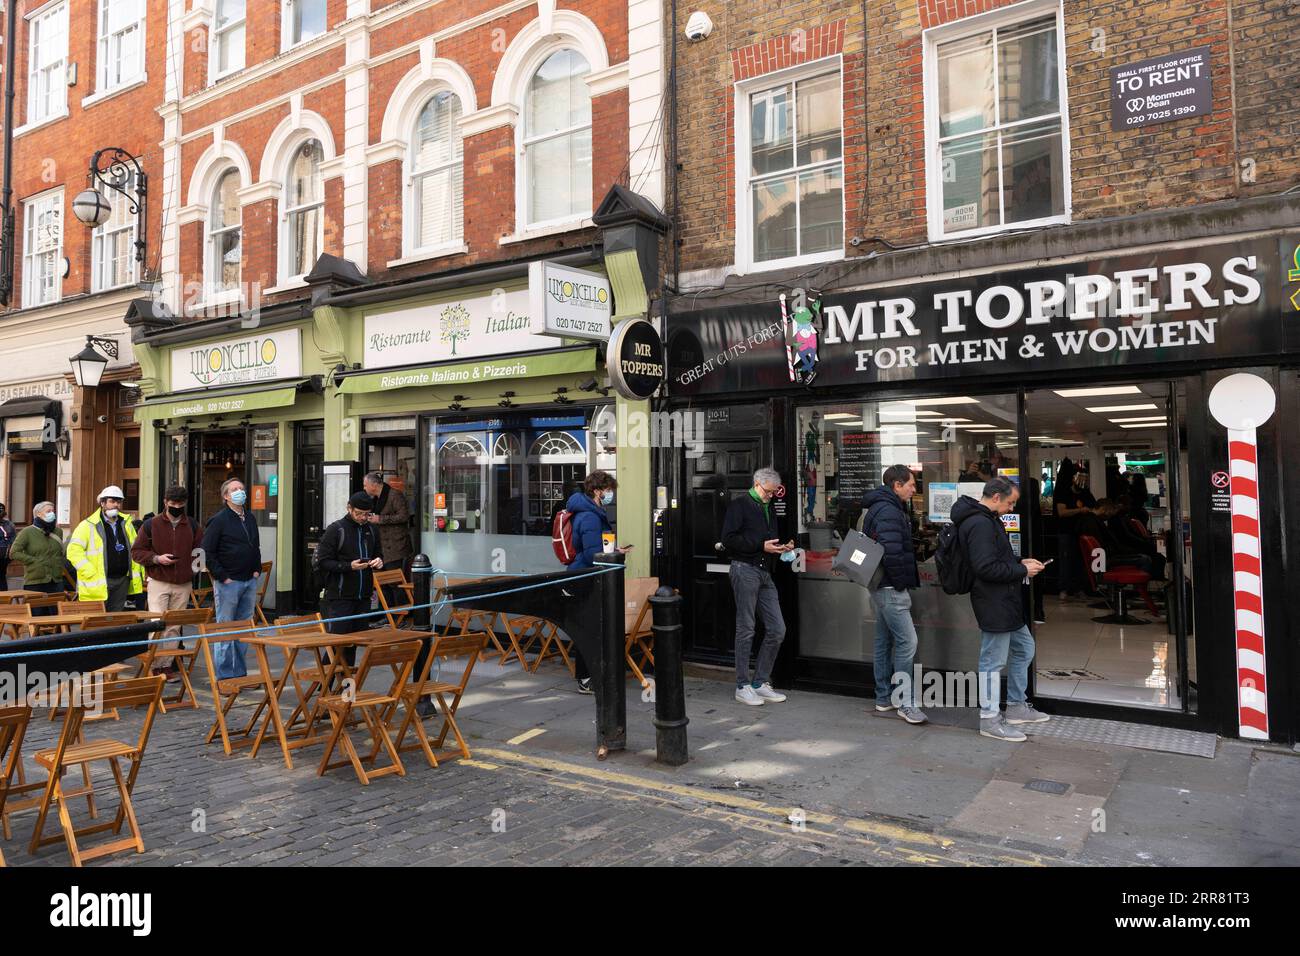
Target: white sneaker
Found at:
x=747, y=695
x=766, y=692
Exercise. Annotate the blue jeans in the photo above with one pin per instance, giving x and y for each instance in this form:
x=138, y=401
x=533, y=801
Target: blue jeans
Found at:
x=235, y=602
x=755, y=591
x=1012, y=650
x=895, y=643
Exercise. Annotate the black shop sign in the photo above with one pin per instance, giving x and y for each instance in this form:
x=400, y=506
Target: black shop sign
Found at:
x=635, y=359
x=1161, y=89
x=1145, y=309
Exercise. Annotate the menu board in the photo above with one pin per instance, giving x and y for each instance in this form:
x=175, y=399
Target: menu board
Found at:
x=859, y=464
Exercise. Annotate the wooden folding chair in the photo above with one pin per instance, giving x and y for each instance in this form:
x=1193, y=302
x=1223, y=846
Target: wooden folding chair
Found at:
x=467, y=647
x=50, y=601
x=394, y=578
x=183, y=657
x=263, y=580
x=469, y=620
x=372, y=707
x=201, y=594
x=640, y=641
x=226, y=690
x=73, y=749
x=82, y=607
x=303, y=624
x=552, y=643
x=109, y=672
x=13, y=724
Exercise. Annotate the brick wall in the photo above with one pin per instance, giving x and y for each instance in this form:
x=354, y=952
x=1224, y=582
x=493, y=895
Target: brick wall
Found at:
x=1163, y=166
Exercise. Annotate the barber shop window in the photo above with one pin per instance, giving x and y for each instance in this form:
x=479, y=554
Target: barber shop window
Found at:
x=953, y=445
x=996, y=130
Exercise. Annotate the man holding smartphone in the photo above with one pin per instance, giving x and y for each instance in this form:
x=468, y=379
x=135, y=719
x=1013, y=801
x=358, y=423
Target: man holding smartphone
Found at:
x=749, y=534
x=348, y=556
x=165, y=547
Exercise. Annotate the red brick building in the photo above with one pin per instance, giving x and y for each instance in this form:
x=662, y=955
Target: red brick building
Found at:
x=990, y=239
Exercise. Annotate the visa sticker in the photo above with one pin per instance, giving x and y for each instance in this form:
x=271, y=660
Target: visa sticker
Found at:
x=858, y=557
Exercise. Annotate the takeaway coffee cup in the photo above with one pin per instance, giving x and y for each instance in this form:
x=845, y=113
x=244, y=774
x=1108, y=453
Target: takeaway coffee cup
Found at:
x=607, y=540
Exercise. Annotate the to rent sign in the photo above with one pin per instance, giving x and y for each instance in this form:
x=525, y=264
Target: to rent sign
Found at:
x=1161, y=89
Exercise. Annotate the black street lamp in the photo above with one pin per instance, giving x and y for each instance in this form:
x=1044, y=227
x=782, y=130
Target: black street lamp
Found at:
x=112, y=168
x=88, y=365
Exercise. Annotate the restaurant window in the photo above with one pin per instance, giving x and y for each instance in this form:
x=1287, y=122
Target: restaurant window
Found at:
x=492, y=487
x=996, y=130
x=793, y=197
x=953, y=446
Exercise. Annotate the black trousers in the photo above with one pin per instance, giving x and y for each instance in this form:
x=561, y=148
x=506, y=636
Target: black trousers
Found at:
x=50, y=587
x=347, y=607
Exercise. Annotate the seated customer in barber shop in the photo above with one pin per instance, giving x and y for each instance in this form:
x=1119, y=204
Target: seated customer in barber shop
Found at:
x=1092, y=523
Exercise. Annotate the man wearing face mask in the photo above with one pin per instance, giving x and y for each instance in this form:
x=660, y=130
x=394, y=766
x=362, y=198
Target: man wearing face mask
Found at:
x=165, y=547
x=749, y=533
x=100, y=550
x=348, y=556
x=590, y=525
x=39, y=548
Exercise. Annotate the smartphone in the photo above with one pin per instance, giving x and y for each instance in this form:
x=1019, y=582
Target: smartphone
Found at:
x=1048, y=561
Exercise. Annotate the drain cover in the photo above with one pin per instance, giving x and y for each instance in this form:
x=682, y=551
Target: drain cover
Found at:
x=1054, y=787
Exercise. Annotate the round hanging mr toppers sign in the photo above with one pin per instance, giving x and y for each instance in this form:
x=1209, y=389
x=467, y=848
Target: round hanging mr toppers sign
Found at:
x=635, y=359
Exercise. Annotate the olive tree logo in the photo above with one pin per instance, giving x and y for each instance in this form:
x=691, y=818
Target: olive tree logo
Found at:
x=454, y=323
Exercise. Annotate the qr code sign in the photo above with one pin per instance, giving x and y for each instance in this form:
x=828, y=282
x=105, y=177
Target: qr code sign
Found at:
x=943, y=502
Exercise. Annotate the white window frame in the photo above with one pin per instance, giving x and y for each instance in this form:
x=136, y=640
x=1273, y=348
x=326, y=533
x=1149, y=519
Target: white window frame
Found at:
x=57, y=72
x=217, y=35
x=931, y=38
x=100, y=235
x=107, y=41
x=286, y=24
x=523, y=185
x=744, y=89
x=410, y=213
x=287, y=213
x=211, y=263
x=31, y=208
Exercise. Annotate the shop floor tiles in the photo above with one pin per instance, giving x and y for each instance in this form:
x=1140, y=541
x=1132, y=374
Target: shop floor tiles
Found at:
x=1123, y=734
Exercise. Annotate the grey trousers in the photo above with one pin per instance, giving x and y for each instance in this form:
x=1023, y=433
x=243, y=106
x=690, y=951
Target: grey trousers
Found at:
x=755, y=591
x=119, y=589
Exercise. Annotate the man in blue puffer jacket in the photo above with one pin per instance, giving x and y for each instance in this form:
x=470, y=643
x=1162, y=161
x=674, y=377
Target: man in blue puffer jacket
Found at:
x=887, y=519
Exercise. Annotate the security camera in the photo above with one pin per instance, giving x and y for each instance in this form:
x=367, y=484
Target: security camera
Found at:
x=102, y=419
x=698, y=26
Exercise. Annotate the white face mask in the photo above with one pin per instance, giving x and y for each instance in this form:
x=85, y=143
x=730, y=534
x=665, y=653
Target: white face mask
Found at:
x=110, y=512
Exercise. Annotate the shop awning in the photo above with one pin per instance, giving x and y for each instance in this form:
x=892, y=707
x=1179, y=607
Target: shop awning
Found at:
x=499, y=368
x=29, y=424
x=27, y=407
x=217, y=402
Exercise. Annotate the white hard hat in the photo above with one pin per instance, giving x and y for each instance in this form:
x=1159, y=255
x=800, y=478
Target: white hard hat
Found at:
x=112, y=491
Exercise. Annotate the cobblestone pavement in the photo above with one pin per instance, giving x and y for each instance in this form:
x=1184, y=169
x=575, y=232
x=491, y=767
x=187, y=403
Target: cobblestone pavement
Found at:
x=861, y=789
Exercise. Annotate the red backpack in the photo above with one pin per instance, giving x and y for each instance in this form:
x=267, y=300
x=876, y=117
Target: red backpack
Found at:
x=562, y=536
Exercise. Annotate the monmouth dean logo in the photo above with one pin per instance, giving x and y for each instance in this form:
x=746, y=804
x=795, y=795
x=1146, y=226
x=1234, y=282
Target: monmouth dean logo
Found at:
x=210, y=365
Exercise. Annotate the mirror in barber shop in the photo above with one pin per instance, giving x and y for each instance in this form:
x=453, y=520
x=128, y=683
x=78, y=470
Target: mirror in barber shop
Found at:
x=953, y=445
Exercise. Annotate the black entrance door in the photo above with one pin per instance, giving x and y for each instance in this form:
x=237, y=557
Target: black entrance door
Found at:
x=723, y=470
x=309, y=493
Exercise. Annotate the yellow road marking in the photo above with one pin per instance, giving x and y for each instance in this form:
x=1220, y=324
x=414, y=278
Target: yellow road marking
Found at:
x=866, y=828
x=526, y=735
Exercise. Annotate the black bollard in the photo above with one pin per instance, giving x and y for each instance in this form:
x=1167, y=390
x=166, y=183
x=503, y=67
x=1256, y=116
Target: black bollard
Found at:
x=608, y=674
x=422, y=578
x=670, y=689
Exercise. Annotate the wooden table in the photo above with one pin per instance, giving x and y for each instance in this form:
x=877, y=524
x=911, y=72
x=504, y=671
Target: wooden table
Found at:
x=291, y=645
x=16, y=597
x=65, y=622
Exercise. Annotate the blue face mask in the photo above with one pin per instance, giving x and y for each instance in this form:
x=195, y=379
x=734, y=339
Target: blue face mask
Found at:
x=607, y=498
x=789, y=556
x=238, y=497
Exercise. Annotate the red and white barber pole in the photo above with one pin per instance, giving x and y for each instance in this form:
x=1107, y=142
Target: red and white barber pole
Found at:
x=1241, y=403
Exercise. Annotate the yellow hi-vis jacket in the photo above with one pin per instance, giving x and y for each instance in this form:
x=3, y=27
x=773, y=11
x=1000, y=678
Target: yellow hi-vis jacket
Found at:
x=86, y=552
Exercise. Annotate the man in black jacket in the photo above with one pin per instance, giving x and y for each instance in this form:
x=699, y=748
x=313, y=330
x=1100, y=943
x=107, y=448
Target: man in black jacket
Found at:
x=750, y=536
x=348, y=556
x=999, y=607
x=887, y=520
x=232, y=554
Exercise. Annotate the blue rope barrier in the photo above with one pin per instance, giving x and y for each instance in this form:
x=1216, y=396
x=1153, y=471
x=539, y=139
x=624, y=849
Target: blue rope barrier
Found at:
x=434, y=607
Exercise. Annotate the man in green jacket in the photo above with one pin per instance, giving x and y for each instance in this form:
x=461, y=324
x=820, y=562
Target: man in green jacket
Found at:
x=39, y=547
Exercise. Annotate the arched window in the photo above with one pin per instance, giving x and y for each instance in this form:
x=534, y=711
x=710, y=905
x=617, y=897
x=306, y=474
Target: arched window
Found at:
x=506, y=449
x=557, y=140
x=224, y=247
x=304, y=207
x=557, y=447
x=436, y=199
